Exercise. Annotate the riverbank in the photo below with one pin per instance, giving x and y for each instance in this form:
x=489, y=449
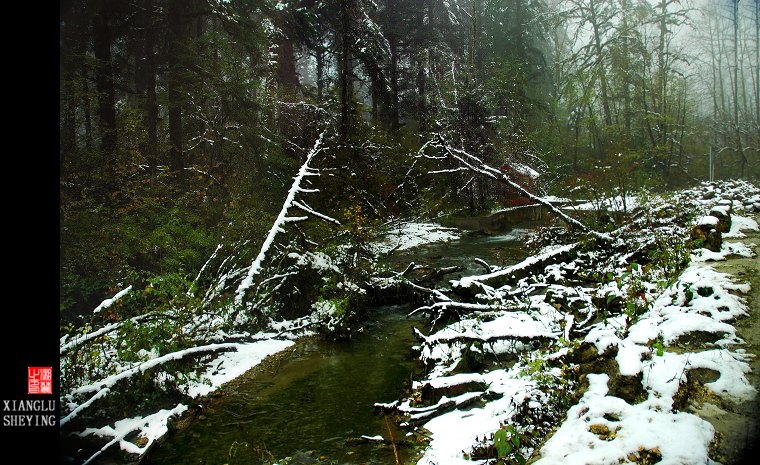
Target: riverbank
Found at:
x=95, y=435
x=602, y=349
x=311, y=403
x=610, y=322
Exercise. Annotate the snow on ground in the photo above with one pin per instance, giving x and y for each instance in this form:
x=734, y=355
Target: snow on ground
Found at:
x=405, y=235
x=739, y=224
x=219, y=370
x=150, y=428
x=604, y=429
x=504, y=334
x=230, y=365
x=702, y=300
x=454, y=433
x=601, y=428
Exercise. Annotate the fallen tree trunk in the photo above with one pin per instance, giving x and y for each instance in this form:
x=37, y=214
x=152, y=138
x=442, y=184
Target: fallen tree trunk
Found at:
x=283, y=218
x=103, y=387
x=518, y=270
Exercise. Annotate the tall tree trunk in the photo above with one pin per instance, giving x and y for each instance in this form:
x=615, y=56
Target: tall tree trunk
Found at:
x=663, y=128
x=393, y=77
x=70, y=52
x=715, y=84
x=68, y=139
x=287, y=81
x=175, y=13
x=393, y=43
x=319, y=55
x=650, y=132
x=737, y=127
x=86, y=111
x=662, y=78
x=683, y=126
x=421, y=98
x=577, y=124
x=601, y=69
x=475, y=54
x=146, y=86
x=421, y=47
x=104, y=84
x=626, y=72
x=757, y=79
x=287, y=77
x=345, y=67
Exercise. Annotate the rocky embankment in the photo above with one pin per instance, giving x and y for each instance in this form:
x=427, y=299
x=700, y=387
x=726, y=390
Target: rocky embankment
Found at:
x=636, y=345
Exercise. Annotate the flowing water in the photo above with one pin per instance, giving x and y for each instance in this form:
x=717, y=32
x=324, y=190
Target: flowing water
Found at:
x=503, y=249
x=317, y=403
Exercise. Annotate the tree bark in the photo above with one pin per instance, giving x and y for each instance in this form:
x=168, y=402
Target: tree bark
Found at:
x=737, y=128
x=286, y=64
x=626, y=72
x=319, y=55
x=345, y=77
x=175, y=13
x=146, y=83
x=393, y=43
x=104, y=81
x=601, y=70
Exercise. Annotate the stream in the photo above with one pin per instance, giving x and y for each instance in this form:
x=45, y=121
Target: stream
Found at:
x=317, y=402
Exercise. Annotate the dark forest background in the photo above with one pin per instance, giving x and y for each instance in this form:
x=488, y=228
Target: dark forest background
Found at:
x=182, y=122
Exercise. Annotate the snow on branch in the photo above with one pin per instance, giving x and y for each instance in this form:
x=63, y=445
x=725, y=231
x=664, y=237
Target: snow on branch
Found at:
x=283, y=218
x=108, y=302
x=443, y=306
x=205, y=265
x=79, y=340
x=528, y=263
x=476, y=165
x=305, y=207
x=103, y=387
x=150, y=427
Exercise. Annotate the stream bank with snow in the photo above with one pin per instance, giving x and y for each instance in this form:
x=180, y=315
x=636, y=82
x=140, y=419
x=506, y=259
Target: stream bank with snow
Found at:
x=606, y=351
x=224, y=365
x=588, y=342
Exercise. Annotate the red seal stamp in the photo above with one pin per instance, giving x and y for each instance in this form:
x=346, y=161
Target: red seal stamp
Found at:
x=40, y=380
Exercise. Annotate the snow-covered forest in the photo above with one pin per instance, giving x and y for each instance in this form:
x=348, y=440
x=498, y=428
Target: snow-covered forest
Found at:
x=561, y=195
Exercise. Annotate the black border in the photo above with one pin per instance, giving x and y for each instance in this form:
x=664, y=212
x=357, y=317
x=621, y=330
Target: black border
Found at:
x=31, y=222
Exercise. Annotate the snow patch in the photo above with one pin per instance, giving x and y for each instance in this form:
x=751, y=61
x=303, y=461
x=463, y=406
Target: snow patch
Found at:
x=406, y=235
x=230, y=365
x=150, y=427
x=679, y=437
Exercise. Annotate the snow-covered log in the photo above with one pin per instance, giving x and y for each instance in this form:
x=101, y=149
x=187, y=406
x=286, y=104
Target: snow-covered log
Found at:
x=77, y=341
x=527, y=264
x=103, y=387
x=283, y=218
x=476, y=165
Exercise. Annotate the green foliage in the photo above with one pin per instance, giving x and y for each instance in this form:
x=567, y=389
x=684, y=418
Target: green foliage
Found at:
x=658, y=345
x=688, y=293
x=506, y=442
x=101, y=249
x=535, y=368
x=341, y=305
